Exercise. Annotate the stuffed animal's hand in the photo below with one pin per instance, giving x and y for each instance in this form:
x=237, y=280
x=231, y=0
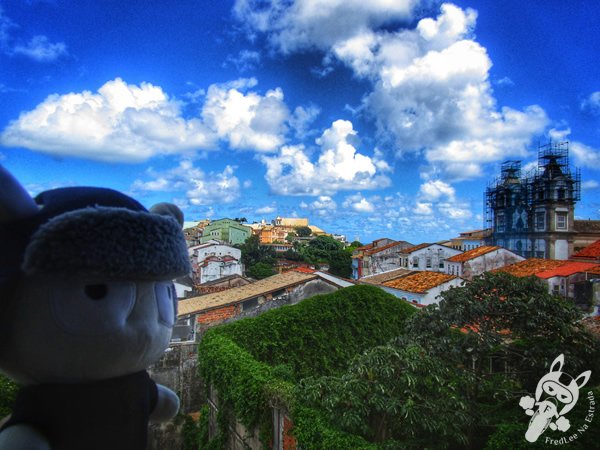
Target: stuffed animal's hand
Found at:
x=22, y=437
x=167, y=405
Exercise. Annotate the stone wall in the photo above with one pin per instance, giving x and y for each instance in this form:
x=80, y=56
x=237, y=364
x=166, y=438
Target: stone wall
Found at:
x=177, y=369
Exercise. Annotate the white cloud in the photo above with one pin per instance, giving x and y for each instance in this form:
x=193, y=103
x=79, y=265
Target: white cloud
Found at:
x=431, y=90
x=590, y=184
x=265, y=210
x=359, y=204
x=423, y=209
x=5, y=26
x=200, y=188
x=322, y=206
x=339, y=166
x=40, y=49
x=302, y=118
x=438, y=196
x=121, y=122
x=246, y=120
x=585, y=155
x=128, y=123
x=317, y=23
x=592, y=103
x=245, y=60
x=435, y=190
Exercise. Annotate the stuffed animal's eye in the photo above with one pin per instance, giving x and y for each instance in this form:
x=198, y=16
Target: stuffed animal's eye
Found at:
x=96, y=291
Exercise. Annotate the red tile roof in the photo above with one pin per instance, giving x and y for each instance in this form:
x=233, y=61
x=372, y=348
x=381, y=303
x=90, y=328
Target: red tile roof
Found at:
x=304, y=270
x=592, y=251
x=531, y=266
x=472, y=254
x=419, y=282
x=567, y=269
x=380, y=249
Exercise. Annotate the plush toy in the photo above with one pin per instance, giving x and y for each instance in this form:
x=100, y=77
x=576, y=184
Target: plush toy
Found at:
x=86, y=305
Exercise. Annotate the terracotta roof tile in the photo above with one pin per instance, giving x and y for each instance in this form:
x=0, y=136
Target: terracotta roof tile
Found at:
x=592, y=251
x=381, y=278
x=595, y=270
x=474, y=253
x=531, y=266
x=419, y=282
x=570, y=268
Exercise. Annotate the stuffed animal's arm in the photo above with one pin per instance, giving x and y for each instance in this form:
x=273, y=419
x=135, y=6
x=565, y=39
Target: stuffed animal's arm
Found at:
x=22, y=437
x=167, y=405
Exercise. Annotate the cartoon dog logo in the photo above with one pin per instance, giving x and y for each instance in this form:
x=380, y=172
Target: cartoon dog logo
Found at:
x=556, y=394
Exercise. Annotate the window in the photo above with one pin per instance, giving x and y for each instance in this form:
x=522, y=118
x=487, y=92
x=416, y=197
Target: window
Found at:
x=540, y=220
x=561, y=220
x=415, y=262
x=500, y=223
x=428, y=263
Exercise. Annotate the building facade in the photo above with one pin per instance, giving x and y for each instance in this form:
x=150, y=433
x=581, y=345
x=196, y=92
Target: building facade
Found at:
x=213, y=260
x=479, y=260
x=534, y=214
x=377, y=257
x=226, y=230
x=429, y=257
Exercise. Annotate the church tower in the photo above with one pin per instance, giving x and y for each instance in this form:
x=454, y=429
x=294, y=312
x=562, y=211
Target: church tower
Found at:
x=533, y=214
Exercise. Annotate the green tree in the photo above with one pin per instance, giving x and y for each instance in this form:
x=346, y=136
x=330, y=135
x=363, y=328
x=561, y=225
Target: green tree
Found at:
x=303, y=231
x=502, y=332
x=260, y=270
x=353, y=246
x=340, y=264
x=253, y=252
x=396, y=393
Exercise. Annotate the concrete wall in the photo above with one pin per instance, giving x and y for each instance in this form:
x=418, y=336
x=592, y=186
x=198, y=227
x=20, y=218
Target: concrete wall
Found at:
x=177, y=370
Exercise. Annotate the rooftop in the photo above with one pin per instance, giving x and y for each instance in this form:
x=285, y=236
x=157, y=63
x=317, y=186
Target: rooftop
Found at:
x=587, y=226
x=385, y=247
x=241, y=293
x=415, y=248
x=419, y=282
x=530, y=267
x=567, y=269
x=592, y=251
x=476, y=233
x=381, y=278
x=474, y=253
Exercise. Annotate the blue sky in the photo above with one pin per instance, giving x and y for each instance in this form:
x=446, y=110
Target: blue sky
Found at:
x=372, y=119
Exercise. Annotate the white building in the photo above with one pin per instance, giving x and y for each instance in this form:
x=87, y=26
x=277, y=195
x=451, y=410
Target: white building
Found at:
x=479, y=260
x=430, y=257
x=421, y=287
x=213, y=260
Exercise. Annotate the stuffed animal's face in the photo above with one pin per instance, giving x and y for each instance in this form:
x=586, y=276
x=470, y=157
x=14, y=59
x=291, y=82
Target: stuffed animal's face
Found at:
x=80, y=329
x=85, y=290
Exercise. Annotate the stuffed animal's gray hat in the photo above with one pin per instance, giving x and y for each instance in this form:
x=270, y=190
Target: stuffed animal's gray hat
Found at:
x=88, y=231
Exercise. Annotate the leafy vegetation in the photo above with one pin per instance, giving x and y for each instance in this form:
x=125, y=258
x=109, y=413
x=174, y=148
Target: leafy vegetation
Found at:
x=255, y=362
x=393, y=392
x=8, y=393
x=303, y=231
x=360, y=369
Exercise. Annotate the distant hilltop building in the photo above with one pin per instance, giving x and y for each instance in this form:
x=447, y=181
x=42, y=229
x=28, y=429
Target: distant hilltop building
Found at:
x=533, y=214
